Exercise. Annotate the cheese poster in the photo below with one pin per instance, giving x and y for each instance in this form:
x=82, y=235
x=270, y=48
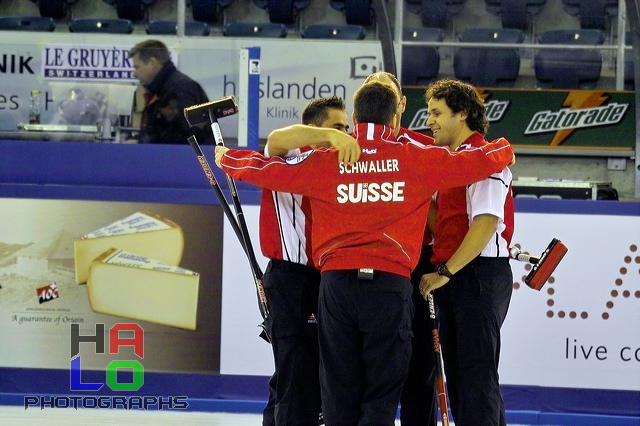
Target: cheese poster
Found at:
x=47, y=248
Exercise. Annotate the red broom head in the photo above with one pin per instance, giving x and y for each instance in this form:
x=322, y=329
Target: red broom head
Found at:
x=548, y=262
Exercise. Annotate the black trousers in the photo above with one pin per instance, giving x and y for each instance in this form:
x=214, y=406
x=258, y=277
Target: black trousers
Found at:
x=294, y=389
x=472, y=308
x=364, y=327
x=419, y=401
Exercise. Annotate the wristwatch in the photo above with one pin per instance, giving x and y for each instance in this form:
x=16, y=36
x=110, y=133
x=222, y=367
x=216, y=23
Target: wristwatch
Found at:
x=442, y=269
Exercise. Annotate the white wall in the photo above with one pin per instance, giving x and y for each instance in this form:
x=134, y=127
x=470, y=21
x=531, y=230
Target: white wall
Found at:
x=539, y=348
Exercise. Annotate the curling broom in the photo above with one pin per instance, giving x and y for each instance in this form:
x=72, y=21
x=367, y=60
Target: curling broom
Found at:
x=209, y=112
x=544, y=265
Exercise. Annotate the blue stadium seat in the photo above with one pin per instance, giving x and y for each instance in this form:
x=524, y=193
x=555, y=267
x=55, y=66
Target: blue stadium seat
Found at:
x=262, y=29
x=488, y=67
x=420, y=64
x=593, y=14
x=191, y=28
x=27, y=23
x=515, y=13
x=134, y=10
x=335, y=32
x=356, y=12
x=282, y=11
x=435, y=13
x=569, y=68
x=207, y=10
x=110, y=26
x=54, y=8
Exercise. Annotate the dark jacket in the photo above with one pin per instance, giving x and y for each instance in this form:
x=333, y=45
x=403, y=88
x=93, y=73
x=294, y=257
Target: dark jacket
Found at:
x=163, y=118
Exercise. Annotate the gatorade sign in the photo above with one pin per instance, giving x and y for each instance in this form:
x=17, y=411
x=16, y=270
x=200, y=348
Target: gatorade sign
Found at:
x=547, y=118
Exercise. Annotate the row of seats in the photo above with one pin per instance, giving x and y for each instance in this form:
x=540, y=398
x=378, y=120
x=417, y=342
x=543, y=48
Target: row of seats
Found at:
x=500, y=67
x=357, y=12
x=274, y=30
x=592, y=14
x=125, y=9
x=517, y=14
x=192, y=28
x=135, y=10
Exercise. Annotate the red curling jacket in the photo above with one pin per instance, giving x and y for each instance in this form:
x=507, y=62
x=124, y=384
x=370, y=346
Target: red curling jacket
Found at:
x=371, y=214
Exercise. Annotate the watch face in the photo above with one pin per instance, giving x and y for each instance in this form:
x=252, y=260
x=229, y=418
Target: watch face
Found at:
x=443, y=270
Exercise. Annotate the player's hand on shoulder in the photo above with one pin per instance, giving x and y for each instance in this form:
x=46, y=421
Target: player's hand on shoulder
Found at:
x=347, y=146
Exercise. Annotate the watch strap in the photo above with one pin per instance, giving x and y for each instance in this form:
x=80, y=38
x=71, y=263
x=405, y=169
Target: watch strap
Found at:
x=442, y=269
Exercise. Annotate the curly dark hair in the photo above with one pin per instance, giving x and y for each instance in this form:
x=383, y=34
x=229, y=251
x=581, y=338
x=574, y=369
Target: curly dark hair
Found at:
x=460, y=97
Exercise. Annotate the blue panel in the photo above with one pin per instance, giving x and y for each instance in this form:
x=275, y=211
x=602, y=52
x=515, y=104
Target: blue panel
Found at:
x=253, y=118
x=602, y=207
x=110, y=172
x=587, y=420
x=595, y=402
x=248, y=394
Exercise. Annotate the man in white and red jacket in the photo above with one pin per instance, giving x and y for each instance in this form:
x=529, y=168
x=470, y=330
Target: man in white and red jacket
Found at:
x=473, y=226
x=369, y=222
x=291, y=281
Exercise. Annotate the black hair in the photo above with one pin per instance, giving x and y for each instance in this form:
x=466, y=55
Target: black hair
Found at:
x=375, y=102
x=316, y=111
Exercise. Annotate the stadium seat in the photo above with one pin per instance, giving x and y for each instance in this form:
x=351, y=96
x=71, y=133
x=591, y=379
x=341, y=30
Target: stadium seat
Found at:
x=263, y=29
x=27, y=23
x=569, y=68
x=356, y=12
x=335, y=32
x=593, y=14
x=111, y=26
x=488, y=67
x=207, y=10
x=191, y=28
x=54, y=8
x=435, y=13
x=282, y=11
x=515, y=13
x=134, y=10
x=420, y=64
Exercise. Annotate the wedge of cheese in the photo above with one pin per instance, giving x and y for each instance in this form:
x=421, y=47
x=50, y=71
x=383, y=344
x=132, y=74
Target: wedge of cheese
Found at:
x=143, y=233
x=136, y=287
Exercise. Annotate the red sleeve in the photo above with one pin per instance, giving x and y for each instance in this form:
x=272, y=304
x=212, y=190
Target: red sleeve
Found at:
x=451, y=169
x=294, y=174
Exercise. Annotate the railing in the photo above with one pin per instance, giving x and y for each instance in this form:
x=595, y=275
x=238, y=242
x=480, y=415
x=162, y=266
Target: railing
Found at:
x=620, y=48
